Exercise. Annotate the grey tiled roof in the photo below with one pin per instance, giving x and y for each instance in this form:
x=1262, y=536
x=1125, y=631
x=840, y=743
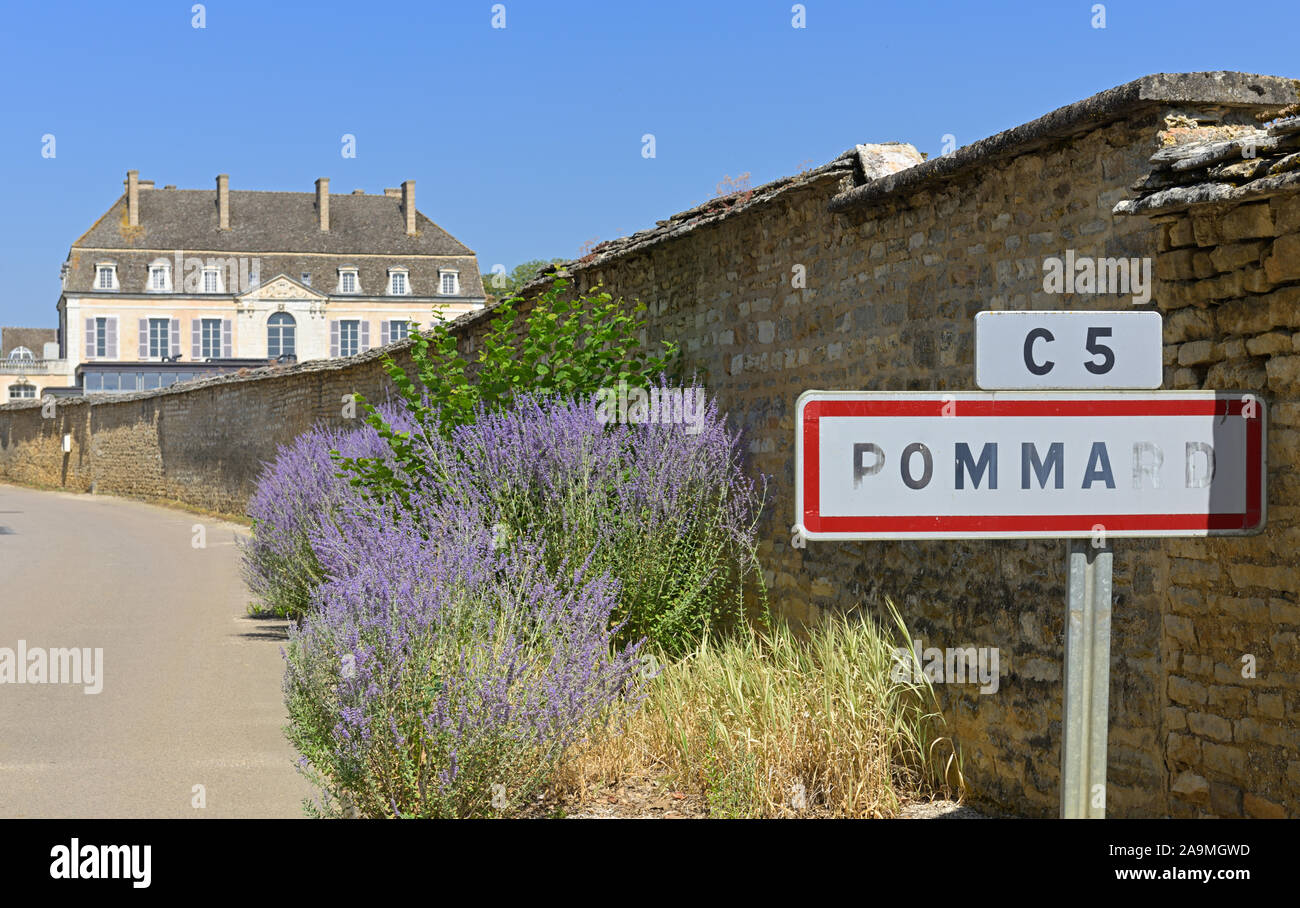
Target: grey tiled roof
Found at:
x=281, y=230
x=269, y=222
x=33, y=339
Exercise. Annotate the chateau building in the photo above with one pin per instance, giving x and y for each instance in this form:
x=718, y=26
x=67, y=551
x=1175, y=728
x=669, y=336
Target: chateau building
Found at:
x=182, y=282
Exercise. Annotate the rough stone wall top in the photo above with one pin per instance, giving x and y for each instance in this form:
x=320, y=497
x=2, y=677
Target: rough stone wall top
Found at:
x=1224, y=164
x=1223, y=88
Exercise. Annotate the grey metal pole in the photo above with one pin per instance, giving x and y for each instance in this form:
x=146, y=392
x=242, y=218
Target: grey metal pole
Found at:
x=1087, y=681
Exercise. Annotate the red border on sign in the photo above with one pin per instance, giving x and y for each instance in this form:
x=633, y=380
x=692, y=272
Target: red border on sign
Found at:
x=814, y=410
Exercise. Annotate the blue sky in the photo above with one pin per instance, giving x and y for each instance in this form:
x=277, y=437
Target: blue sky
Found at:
x=525, y=142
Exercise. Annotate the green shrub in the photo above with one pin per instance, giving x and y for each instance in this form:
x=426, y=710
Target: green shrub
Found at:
x=570, y=348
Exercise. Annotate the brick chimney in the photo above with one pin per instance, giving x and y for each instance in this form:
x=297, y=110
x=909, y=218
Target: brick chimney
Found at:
x=323, y=202
x=133, y=198
x=408, y=206
x=223, y=201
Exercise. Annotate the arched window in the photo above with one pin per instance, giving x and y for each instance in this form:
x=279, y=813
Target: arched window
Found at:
x=21, y=354
x=21, y=391
x=280, y=335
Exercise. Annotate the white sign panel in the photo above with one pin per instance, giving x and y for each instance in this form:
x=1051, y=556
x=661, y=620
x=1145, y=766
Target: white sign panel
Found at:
x=1018, y=350
x=922, y=465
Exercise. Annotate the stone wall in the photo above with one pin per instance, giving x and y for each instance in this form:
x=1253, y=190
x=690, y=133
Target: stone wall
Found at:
x=200, y=444
x=1229, y=285
x=841, y=278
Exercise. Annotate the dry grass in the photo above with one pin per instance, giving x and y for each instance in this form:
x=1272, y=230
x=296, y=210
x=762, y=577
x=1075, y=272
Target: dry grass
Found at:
x=766, y=724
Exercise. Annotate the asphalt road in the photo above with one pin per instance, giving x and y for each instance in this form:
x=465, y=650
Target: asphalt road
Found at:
x=190, y=685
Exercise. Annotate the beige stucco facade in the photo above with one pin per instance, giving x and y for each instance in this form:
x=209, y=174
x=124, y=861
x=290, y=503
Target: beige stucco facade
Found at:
x=245, y=323
x=17, y=376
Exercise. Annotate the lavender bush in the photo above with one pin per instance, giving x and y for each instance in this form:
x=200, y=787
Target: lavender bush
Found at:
x=438, y=675
x=298, y=492
x=670, y=513
x=457, y=638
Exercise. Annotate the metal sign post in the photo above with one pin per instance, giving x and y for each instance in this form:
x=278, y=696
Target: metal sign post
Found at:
x=1085, y=716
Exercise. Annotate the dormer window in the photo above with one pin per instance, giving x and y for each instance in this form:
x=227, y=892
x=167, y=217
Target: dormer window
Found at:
x=448, y=282
x=348, y=282
x=160, y=277
x=21, y=354
x=211, y=280
x=105, y=276
x=397, y=282
x=306, y=278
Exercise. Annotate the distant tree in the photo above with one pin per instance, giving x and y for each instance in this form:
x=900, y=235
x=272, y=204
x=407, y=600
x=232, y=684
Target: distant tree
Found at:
x=502, y=286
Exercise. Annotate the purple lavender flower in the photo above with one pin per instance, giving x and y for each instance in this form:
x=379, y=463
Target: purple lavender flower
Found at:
x=295, y=493
x=473, y=666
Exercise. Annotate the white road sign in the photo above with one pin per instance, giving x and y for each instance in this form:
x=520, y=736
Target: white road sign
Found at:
x=923, y=465
x=1019, y=350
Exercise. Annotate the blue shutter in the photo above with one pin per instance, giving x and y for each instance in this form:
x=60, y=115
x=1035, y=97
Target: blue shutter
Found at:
x=175, y=346
x=110, y=337
x=196, y=339
x=226, y=338
x=383, y=333
x=89, y=352
x=144, y=338
x=365, y=336
x=334, y=337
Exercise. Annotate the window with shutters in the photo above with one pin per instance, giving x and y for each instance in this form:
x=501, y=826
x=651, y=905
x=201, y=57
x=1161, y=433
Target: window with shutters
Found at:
x=210, y=338
x=160, y=337
x=349, y=337
x=101, y=338
x=280, y=340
